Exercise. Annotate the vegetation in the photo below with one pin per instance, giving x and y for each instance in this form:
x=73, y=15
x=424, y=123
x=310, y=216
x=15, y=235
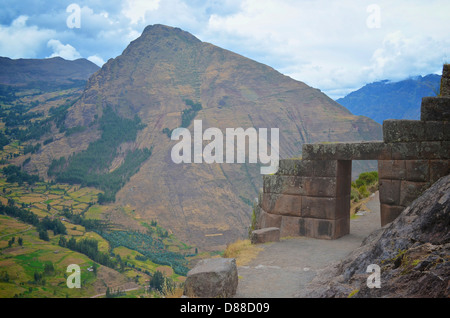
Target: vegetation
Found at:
x=362, y=187
x=189, y=114
x=242, y=250
x=91, y=167
x=14, y=174
x=152, y=248
x=89, y=247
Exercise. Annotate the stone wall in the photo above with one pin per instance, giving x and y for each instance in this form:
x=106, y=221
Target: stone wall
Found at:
x=311, y=197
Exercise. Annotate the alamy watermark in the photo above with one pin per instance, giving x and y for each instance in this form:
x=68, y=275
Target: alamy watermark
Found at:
x=374, y=19
x=374, y=279
x=213, y=152
x=74, y=279
x=74, y=19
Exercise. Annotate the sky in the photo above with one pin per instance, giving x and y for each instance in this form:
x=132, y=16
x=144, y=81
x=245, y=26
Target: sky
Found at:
x=335, y=46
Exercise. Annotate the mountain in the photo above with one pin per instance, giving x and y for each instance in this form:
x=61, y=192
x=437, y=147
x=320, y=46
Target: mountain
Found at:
x=392, y=100
x=115, y=136
x=50, y=72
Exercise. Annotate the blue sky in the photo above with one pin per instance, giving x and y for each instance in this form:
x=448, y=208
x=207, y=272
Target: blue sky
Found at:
x=336, y=46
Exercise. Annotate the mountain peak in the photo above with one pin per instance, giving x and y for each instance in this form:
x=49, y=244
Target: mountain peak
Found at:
x=161, y=30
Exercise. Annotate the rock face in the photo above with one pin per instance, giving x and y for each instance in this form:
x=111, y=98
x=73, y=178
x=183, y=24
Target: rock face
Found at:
x=212, y=278
x=413, y=253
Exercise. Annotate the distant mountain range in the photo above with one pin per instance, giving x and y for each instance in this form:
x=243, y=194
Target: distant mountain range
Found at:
x=45, y=73
x=392, y=100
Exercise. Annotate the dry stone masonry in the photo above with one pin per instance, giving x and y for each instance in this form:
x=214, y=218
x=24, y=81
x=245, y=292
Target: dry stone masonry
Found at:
x=311, y=197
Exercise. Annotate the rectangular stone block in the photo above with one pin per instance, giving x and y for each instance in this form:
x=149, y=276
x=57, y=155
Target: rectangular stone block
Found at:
x=319, y=208
x=320, y=186
x=409, y=191
x=392, y=169
x=270, y=234
x=347, y=151
x=438, y=169
x=445, y=81
x=290, y=226
x=403, y=130
x=283, y=184
x=406, y=150
x=414, y=130
x=343, y=207
x=269, y=220
x=296, y=167
x=325, y=168
x=389, y=191
x=324, y=229
x=389, y=213
x=417, y=170
x=432, y=150
x=344, y=178
x=286, y=204
x=435, y=109
x=435, y=130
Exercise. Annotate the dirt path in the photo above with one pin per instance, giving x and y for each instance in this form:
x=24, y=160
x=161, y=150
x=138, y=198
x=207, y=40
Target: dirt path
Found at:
x=283, y=268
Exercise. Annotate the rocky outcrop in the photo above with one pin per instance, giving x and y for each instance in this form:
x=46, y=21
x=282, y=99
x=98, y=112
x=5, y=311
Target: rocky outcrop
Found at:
x=212, y=278
x=413, y=253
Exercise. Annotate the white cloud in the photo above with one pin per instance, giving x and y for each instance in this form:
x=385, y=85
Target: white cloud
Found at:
x=21, y=41
x=326, y=44
x=329, y=45
x=66, y=51
x=135, y=10
x=96, y=60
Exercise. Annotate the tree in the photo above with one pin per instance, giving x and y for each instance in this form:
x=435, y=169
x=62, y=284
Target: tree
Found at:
x=43, y=235
x=20, y=241
x=157, y=281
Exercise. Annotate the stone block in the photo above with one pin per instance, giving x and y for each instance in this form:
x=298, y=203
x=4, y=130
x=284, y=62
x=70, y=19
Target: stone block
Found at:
x=389, y=213
x=320, y=186
x=389, y=191
x=438, y=169
x=403, y=130
x=325, y=168
x=406, y=150
x=296, y=167
x=435, y=130
x=417, y=170
x=290, y=226
x=392, y=169
x=435, y=109
x=432, y=150
x=347, y=151
x=269, y=220
x=282, y=204
x=265, y=235
x=445, y=81
x=324, y=229
x=212, y=278
x=409, y=191
x=319, y=207
x=283, y=184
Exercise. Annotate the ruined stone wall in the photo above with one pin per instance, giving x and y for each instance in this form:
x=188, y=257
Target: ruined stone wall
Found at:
x=311, y=197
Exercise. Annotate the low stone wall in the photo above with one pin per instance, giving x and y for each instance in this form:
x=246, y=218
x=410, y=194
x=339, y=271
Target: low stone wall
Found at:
x=311, y=197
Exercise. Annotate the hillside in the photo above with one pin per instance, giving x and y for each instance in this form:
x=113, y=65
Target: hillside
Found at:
x=44, y=73
x=146, y=89
x=392, y=100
